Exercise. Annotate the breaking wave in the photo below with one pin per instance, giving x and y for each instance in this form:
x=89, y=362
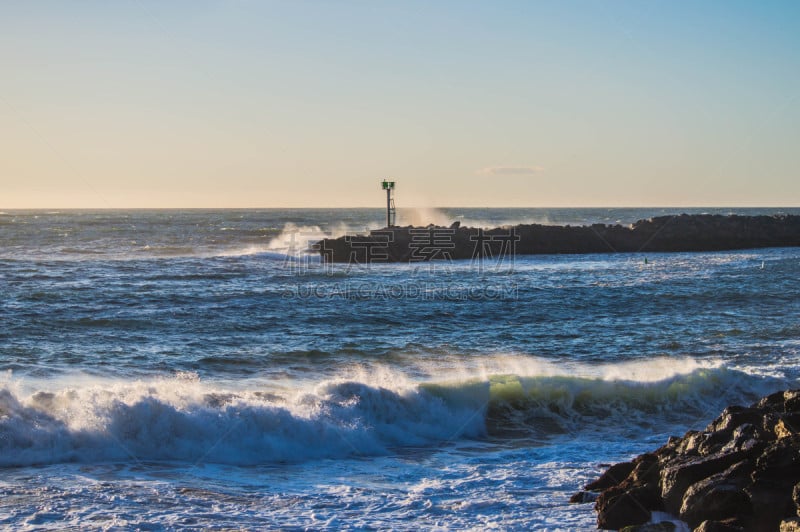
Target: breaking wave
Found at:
x=184, y=419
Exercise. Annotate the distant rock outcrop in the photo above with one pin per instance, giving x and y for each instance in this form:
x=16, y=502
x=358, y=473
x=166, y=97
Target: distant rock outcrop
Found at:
x=741, y=473
x=683, y=232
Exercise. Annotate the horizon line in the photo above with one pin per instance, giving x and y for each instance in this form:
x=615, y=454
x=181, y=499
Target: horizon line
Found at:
x=206, y=208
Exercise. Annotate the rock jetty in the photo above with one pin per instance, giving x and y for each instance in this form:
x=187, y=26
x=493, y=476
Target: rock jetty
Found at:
x=742, y=473
x=664, y=233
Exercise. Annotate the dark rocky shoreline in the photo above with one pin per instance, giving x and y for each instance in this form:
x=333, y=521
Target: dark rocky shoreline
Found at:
x=742, y=473
x=683, y=232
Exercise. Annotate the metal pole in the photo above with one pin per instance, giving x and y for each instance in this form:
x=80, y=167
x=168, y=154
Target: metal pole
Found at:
x=388, y=207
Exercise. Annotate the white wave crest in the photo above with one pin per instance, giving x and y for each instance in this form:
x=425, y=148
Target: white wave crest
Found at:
x=367, y=413
x=187, y=420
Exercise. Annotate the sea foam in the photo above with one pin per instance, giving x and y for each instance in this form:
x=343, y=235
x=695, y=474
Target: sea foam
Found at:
x=188, y=420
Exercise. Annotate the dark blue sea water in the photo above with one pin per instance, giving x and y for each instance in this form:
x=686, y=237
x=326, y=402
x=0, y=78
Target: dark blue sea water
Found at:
x=170, y=369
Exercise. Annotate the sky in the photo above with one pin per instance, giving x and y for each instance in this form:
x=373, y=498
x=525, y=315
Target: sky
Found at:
x=301, y=103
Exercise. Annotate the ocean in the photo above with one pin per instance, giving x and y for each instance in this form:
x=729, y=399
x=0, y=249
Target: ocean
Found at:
x=171, y=369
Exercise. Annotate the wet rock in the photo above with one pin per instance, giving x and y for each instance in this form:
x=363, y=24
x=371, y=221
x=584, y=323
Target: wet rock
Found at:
x=690, y=443
x=677, y=478
x=619, y=507
x=746, y=438
x=780, y=462
x=773, y=402
x=718, y=497
x=769, y=503
x=734, y=416
x=669, y=450
x=647, y=470
x=791, y=401
x=613, y=476
x=741, y=473
x=790, y=525
x=664, y=526
x=769, y=421
x=728, y=525
x=783, y=429
x=796, y=497
x=583, y=497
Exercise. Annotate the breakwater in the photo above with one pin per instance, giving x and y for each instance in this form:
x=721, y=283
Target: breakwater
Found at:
x=697, y=232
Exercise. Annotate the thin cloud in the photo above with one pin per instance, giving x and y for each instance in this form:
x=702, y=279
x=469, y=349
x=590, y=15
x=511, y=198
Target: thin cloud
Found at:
x=511, y=170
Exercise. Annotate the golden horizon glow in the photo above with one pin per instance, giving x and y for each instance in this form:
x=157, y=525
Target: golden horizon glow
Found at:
x=289, y=105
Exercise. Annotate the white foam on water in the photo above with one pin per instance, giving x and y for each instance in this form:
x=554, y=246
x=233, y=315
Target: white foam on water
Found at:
x=296, y=240
x=363, y=412
x=188, y=420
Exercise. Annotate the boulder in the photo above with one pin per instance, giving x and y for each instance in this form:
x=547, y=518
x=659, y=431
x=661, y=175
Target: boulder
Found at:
x=787, y=424
x=676, y=478
x=773, y=402
x=646, y=470
x=782, y=430
x=583, y=497
x=779, y=463
x=690, y=443
x=770, y=503
x=664, y=526
x=741, y=473
x=796, y=497
x=791, y=401
x=734, y=416
x=613, y=476
x=728, y=525
x=619, y=507
x=791, y=524
x=747, y=438
x=718, y=497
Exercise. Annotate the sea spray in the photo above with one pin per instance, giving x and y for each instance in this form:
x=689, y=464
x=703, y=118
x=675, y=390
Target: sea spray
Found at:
x=187, y=419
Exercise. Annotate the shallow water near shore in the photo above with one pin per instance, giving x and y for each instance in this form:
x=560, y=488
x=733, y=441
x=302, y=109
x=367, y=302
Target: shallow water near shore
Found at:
x=167, y=369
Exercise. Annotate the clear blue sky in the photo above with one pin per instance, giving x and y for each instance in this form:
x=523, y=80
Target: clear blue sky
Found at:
x=311, y=103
